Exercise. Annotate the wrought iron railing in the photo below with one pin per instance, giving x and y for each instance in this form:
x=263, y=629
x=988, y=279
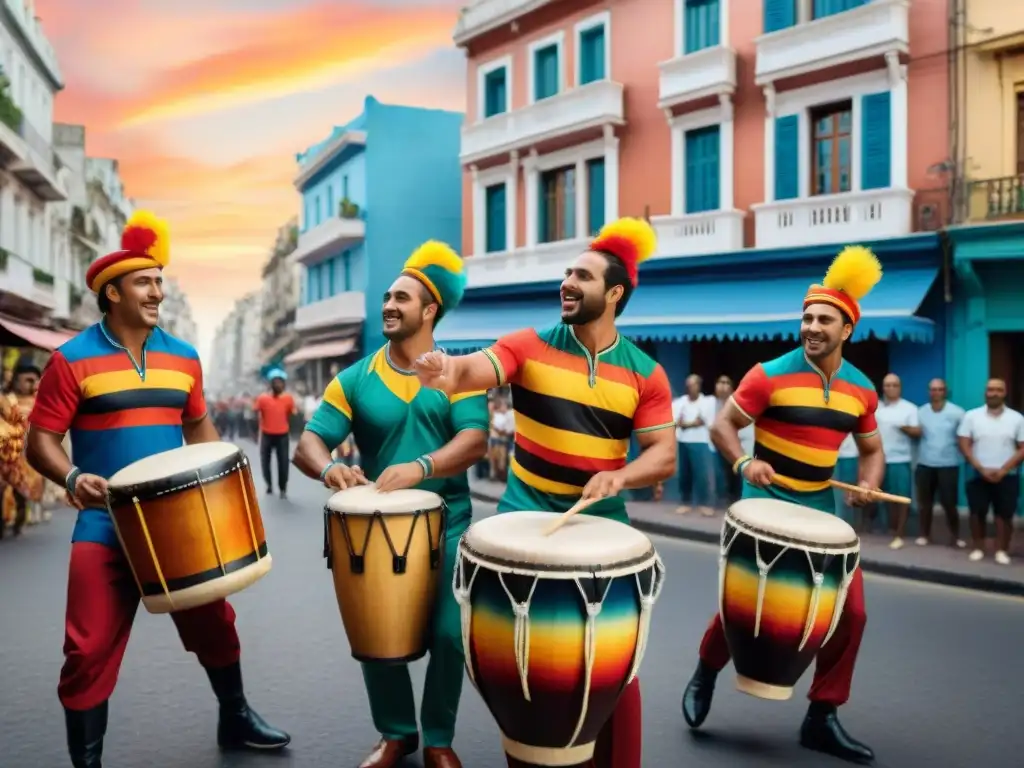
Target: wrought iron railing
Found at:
x=1001, y=198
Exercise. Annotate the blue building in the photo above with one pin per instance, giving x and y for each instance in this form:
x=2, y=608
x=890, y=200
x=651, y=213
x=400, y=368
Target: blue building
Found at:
x=372, y=191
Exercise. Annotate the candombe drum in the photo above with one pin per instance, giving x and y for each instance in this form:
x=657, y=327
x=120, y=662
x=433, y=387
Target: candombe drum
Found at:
x=784, y=573
x=190, y=525
x=554, y=627
x=385, y=552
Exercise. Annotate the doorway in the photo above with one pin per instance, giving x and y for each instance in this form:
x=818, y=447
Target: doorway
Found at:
x=1006, y=353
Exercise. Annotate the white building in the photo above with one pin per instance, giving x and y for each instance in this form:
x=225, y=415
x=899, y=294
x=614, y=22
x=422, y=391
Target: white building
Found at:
x=176, y=313
x=32, y=176
x=280, y=296
x=234, y=367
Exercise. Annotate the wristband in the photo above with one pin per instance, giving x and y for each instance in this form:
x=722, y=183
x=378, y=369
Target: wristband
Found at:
x=741, y=462
x=325, y=470
x=427, y=464
x=71, y=479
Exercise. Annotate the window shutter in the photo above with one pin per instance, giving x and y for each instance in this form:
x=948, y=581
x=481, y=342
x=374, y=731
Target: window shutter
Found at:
x=702, y=169
x=592, y=63
x=787, y=157
x=779, y=14
x=496, y=229
x=542, y=206
x=876, y=141
x=595, y=194
x=701, y=24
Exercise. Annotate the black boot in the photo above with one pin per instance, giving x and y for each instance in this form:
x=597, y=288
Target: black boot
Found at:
x=86, y=728
x=823, y=732
x=239, y=726
x=698, y=694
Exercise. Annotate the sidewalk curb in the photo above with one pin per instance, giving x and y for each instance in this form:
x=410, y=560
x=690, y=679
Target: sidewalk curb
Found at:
x=907, y=572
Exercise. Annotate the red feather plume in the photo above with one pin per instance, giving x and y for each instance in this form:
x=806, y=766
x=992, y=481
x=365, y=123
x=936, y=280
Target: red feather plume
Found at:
x=622, y=247
x=138, y=239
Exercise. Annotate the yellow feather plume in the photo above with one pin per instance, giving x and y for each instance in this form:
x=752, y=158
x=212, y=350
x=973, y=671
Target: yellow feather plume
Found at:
x=855, y=271
x=160, y=250
x=434, y=253
x=637, y=231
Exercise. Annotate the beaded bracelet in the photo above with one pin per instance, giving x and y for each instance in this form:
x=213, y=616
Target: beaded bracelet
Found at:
x=427, y=464
x=741, y=462
x=71, y=480
x=325, y=470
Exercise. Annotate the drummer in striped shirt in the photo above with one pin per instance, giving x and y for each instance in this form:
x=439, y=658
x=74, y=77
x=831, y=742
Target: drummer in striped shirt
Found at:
x=580, y=391
x=803, y=405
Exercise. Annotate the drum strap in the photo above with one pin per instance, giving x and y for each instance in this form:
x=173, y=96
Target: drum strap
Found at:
x=647, y=601
x=462, y=586
x=844, y=589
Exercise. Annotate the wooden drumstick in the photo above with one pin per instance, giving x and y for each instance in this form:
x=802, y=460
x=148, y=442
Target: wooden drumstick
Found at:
x=579, y=506
x=876, y=495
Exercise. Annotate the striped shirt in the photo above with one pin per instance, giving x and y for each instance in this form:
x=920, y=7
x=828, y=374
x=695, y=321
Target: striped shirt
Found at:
x=118, y=410
x=574, y=413
x=801, y=417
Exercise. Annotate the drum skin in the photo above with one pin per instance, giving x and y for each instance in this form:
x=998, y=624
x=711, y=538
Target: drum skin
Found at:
x=386, y=611
x=769, y=664
x=179, y=529
x=557, y=671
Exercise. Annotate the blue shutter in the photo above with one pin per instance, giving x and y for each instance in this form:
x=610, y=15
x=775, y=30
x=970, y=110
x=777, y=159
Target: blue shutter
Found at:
x=347, y=264
x=787, y=157
x=779, y=14
x=823, y=8
x=595, y=194
x=331, y=210
x=876, y=141
x=545, y=74
x=496, y=229
x=703, y=164
x=701, y=21
x=592, y=63
x=542, y=208
x=495, y=94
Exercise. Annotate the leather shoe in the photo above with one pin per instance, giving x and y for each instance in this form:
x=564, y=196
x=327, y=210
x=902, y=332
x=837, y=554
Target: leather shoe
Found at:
x=440, y=757
x=389, y=752
x=822, y=732
x=698, y=694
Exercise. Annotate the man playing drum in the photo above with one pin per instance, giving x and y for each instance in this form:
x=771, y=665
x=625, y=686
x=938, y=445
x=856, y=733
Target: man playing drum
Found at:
x=580, y=391
x=126, y=390
x=408, y=436
x=803, y=405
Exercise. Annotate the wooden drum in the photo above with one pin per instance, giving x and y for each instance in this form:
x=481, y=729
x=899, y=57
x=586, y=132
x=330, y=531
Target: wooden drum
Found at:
x=385, y=552
x=190, y=525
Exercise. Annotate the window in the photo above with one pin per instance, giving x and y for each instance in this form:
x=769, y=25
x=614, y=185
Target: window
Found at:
x=546, y=72
x=557, y=205
x=319, y=211
x=331, y=211
x=593, y=66
x=831, y=145
x=595, y=195
x=822, y=8
x=703, y=163
x=494, y=200
x=701, y=24
x=779, y=14
x=496, y=92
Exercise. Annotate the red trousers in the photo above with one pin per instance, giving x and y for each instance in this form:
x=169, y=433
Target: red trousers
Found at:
x=833, y=671
x=102, y=600
x=620, y=743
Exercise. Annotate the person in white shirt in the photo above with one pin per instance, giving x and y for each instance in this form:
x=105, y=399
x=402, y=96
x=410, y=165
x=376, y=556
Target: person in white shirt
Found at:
x=693, y=415
x=728, y=484
x=938, y=462
x=898, y=426
x=502, y=433
x=846, y=472
x=992, y=441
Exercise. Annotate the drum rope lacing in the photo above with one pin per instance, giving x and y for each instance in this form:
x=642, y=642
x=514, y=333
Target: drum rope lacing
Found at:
x=647, y=602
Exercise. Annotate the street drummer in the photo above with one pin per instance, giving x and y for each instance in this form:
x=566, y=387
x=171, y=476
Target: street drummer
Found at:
x=580, y=391
x=125, y=389
x=803, y=405
x=408, y=437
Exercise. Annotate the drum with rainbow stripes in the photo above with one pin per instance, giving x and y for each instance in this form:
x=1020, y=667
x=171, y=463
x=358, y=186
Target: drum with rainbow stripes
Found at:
x=554, y=627
x=784, y=572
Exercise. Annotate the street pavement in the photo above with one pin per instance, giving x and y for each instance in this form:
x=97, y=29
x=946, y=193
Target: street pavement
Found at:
x=935, y=684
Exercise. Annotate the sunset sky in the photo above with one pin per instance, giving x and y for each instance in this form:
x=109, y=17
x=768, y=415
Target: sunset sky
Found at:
x=206, y=102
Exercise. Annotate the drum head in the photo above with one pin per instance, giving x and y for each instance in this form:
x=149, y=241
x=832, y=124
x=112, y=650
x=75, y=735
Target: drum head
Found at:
x=367, y=500
x=177, y=461
x=586, y=543
x=792, y=523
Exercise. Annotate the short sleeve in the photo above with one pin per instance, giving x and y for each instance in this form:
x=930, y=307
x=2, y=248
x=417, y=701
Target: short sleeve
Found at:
x=966, y=428
x=469, y=411
x=1020, y=430
x=867, y=424
x=195, y=406
x=654, y=411
x=57, y=398
x=332, y=421
x=913, y=418
x=508, y=353
x=754, y=393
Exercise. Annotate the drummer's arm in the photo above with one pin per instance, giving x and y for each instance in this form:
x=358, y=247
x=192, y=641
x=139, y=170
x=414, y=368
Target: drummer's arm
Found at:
x=871, y=467
x=196, y=424
x=330, y=425
x=55, y=407
x=495, y=366
x=655, y=433
x=469, y=418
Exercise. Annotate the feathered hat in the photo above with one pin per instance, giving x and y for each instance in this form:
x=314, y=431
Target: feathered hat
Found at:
x=440, y=270
x=144, y=245
x=632, y=241
x=855, y=271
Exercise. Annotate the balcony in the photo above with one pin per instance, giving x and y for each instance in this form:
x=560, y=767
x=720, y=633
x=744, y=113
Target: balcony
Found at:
x=341, y=309
x=578, y=109
x=482, y=16
x=540, y=263
x=996, y=199
x=873, y=29
x=710, y=72
x=697, y=234
x=845, y=218
x=20, y=278
x=315, y=160
x=328, y=238
x=38, y=166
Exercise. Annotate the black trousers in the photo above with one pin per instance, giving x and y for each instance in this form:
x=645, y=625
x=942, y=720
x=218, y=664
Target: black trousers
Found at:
x=277, y=444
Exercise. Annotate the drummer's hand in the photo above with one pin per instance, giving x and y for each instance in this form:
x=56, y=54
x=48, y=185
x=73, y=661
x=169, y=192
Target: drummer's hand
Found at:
x=433, y=369
x=72, y=501
x=864, y=497
x=603, y=485
x=340, y=476
x=399, y=476
x=90, y=490
x=759, y=473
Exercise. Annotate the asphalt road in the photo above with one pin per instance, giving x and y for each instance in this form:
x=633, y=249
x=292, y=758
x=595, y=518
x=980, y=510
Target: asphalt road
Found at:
x=940, y=681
